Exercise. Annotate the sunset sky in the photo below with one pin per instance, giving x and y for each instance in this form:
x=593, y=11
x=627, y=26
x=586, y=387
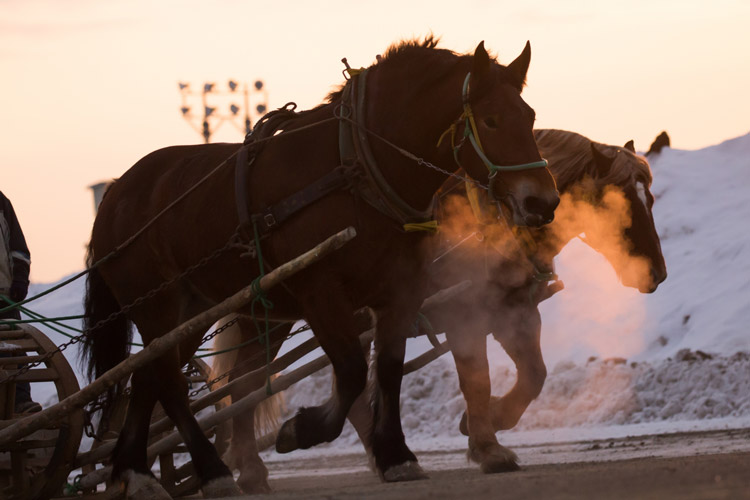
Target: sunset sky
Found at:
x=90, y=86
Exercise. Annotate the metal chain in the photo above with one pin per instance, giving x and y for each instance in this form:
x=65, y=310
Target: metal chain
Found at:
x=237, y=366
x=411, y=156
x=219, y=330
x=140, y=300
x=425, y=163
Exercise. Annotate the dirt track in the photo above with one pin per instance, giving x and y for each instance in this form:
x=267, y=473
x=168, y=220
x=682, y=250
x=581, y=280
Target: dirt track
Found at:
x=686, y=465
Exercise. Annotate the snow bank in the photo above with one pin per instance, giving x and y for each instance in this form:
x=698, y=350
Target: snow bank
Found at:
x=692, y=386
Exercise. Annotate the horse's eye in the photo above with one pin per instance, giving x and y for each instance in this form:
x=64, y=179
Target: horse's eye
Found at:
x=490, y=122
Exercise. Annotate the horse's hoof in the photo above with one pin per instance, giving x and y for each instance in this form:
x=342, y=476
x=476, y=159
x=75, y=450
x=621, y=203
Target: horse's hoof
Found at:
x=139, y=485
x=286, y=441
x=407, y=471
x=254, y=486
x=220, y=487
x=497, y=459
x=463, y=427
x=494, y=466
x=254, y=477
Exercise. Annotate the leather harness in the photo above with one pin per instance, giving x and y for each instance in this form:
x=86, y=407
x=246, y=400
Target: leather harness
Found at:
x=357, y=171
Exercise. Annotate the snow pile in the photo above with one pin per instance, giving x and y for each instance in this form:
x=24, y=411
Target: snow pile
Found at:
x=691, y=386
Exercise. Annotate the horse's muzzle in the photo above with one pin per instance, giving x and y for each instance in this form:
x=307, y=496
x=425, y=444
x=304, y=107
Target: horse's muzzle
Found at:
x=539, y=211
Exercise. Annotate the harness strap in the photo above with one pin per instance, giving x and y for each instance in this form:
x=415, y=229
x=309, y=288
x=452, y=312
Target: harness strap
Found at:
x=273, y=215
x=472, y=133
x=241, y=167
x=354, y=150
x=279, y=212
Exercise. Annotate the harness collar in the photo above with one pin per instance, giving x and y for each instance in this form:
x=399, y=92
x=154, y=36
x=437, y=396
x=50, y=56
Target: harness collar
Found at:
x=355, y=151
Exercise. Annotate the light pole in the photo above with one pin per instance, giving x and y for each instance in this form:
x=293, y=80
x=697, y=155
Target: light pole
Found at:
x=214, y=116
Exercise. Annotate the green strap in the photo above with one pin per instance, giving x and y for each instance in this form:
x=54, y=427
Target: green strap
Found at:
x=50, y=290
x=260, y=296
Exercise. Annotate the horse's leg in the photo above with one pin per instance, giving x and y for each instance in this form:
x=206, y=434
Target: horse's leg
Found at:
x=243, y=454
x=470, y=354
x=393, y=459
x=216, y=479
x=331, y=317
x=129, y=461
x=521, y=340
x=361, y=416
x=243, y=450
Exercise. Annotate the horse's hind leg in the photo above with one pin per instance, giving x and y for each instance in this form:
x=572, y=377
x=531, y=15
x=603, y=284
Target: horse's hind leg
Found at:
x=129, y=461
x=216, y=479
x=332, y=319
x=522, y=343
x=470, y=354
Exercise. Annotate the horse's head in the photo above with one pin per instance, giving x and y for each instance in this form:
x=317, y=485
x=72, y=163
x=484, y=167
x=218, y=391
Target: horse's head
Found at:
x=629, y=174
x=498, y=138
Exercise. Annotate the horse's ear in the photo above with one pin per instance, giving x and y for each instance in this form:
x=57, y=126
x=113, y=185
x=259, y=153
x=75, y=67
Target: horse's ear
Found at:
x=630, y=146
x=602, y=162
x=481, y=63
x=520, y=66
x=661, y=141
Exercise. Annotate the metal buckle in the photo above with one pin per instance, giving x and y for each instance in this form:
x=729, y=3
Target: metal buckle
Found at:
x=270, y=220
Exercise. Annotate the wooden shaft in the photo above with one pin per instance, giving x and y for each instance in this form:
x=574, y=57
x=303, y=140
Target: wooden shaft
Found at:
x=195, y=326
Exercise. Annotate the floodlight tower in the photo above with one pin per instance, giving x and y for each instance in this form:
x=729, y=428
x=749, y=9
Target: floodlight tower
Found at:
x=213, y=116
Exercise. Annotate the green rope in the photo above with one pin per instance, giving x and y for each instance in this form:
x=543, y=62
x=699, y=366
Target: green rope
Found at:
x=50, y=290
x=260, y=296
x=54, y=323
x=35, y=315
x=72, y=489
x=422, y=321
x=41, y=320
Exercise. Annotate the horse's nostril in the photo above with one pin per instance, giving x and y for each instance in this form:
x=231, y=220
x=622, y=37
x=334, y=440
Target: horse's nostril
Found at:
x=542, y=207
x=555, y=202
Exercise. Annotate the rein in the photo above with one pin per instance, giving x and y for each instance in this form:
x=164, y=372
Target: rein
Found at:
x=472, y=133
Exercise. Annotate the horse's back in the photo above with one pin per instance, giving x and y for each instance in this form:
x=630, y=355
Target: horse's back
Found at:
x=151, y=184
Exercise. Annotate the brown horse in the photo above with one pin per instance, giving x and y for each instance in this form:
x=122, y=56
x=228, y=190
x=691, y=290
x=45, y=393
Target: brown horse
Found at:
x=605, y=194
x=412, y=96
x=509, y=282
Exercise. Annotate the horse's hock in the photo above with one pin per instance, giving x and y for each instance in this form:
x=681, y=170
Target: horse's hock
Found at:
x=36, y=466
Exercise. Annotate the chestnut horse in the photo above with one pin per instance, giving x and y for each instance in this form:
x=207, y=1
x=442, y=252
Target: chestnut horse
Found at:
x=605, y=190
x=407, y=101
x=509, y=282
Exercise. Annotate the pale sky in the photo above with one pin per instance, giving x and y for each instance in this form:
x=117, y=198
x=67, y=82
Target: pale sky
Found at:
x=90, y=86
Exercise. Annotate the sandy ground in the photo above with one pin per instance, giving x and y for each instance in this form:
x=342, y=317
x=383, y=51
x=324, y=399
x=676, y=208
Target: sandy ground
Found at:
x=701, y=465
